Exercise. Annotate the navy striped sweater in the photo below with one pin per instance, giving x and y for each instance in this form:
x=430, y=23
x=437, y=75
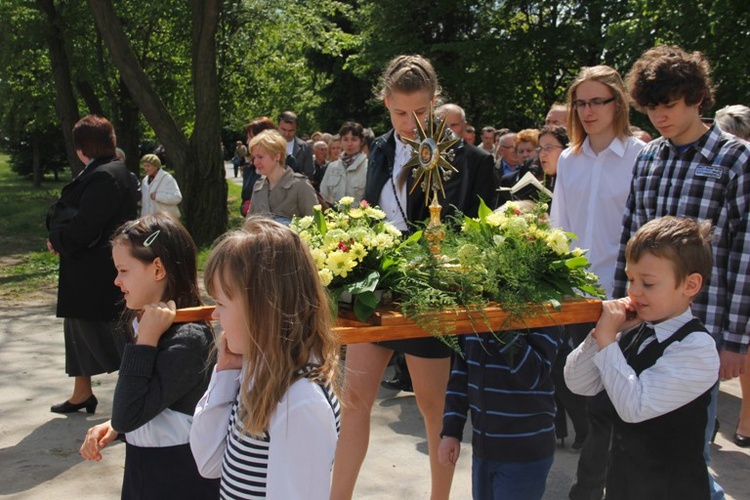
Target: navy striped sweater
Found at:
x=508, y=391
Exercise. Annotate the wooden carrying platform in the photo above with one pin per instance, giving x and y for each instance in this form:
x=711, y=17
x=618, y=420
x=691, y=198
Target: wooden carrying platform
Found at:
x=389, y=324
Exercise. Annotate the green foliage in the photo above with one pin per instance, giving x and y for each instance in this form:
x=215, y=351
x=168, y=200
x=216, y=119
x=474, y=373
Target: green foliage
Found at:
x=22, y=212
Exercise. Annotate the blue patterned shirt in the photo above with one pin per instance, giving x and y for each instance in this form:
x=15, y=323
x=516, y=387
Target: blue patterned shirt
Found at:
x=710, y=180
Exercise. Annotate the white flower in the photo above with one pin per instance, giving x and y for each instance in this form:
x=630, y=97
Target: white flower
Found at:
x=557, y=240
x=498, y=239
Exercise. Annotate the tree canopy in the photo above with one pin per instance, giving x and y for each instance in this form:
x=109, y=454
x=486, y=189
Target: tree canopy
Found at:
x=187, y=74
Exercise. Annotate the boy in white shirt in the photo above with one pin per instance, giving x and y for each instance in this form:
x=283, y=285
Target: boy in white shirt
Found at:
x=658, y=373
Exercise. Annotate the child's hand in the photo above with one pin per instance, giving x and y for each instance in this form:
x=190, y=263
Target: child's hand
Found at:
x=617, y=315
x=155, y=320
x=449, y=450
x=97, y=438
x=227, y=360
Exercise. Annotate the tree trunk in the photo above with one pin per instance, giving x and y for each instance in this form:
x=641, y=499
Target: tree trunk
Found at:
x=128, y=134
x=205, y=186
x=65, y=102
x=197, y=163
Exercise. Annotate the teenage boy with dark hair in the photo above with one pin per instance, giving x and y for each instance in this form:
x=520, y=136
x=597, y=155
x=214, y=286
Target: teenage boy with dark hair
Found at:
x=696, y=171
x=658, y=373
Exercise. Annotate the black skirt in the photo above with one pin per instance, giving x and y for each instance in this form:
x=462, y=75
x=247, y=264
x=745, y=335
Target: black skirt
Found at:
x=166, y=473
x=425, y=347
x=90, y=347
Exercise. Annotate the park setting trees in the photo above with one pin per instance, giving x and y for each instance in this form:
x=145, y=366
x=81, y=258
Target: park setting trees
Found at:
x=189, y=74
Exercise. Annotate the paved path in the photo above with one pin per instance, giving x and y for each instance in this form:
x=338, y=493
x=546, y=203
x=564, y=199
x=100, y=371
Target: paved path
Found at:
x=39, y=450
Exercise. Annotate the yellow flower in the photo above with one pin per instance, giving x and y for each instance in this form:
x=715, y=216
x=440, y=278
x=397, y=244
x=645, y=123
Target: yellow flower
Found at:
x=356, y=213
x=346, y=200
x=375, y=213
x=319, y=256
x=304, y=222
x=358, y=251
x=340, y=263
x=326, y=276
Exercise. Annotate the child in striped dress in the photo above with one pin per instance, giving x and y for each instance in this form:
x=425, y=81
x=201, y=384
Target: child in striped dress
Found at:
x=268, y=423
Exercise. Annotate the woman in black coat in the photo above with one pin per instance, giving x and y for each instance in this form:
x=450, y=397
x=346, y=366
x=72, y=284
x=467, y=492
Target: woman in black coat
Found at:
x=90, y=208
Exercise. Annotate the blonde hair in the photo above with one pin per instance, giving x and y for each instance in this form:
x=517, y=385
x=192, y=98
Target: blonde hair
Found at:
x=271, y=142
x=527, y=135
x=151, y=159
x=266, y=267
x=611, y=78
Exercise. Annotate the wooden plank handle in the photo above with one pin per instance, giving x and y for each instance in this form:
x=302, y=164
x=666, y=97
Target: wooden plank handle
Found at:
x=190, y=314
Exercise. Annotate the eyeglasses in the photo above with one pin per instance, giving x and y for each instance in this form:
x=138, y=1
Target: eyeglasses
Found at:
x=525, y=151
x=548, y=148
x=594, y=103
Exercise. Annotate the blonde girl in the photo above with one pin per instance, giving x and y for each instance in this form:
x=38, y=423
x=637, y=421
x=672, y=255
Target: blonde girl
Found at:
x=268, y=423
x=164, y=366
x=408, y=85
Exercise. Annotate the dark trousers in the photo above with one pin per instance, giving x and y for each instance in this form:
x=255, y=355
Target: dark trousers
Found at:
x=569, y=404
x=591, y=474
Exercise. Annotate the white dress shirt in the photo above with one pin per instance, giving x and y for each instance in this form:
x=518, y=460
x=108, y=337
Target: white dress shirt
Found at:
x=590, y=195
x=686, y=370
x=387, y=202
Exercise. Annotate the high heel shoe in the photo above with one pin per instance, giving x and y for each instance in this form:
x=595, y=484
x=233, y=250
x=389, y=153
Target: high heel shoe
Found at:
x=68, y=407
x=741, y=441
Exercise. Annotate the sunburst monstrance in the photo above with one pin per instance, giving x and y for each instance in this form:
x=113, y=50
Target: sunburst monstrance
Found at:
x=430, y=157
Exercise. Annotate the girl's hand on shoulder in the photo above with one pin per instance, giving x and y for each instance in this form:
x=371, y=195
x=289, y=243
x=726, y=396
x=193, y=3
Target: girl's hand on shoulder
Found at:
x=226, y=359
x=155, y=320
x=97, y=438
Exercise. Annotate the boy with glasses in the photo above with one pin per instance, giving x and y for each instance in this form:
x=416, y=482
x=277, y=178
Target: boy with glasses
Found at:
x=593, y=176
x=696, y=171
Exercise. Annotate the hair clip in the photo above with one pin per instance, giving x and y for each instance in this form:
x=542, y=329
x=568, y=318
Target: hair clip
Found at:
x=131, y=226
x=151, y=238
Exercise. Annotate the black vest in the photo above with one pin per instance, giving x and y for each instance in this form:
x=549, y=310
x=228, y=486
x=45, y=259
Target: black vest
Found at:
x=661, y=457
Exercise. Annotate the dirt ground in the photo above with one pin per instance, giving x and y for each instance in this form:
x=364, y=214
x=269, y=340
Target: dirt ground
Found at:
x=39, y=450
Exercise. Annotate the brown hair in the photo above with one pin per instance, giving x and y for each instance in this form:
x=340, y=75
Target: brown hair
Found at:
x=557, y=131
x=611, y=78
x=684, y=242
x=408, y=74
x=95, y=137
x=666, y=73
x=259, y=125
x=164, y=237
x=288, y=318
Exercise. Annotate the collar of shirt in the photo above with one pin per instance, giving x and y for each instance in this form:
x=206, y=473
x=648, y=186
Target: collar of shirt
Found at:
x=617, y=146
x=403, y=153
x=706, y=145
x=666, y=328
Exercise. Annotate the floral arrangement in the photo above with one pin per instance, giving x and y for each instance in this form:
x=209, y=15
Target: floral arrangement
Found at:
x=510, y=256
x=355, y=251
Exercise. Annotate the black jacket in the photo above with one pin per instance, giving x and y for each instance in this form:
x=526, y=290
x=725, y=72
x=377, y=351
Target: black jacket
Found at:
x=104, y=196
x=462, y=191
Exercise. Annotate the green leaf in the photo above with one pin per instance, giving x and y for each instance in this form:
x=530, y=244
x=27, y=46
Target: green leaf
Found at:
x=577, y=262
x=366, y=284
x=320, y=222
x=484, y=210
x=365, y=304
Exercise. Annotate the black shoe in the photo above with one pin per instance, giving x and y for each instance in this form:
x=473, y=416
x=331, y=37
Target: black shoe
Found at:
x=578, y=443
x=398, y=384
x=68, y=407
x=741, y=441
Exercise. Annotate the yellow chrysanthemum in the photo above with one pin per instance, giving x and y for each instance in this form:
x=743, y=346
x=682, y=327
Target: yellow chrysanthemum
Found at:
x=340, y=263
x=326, y=276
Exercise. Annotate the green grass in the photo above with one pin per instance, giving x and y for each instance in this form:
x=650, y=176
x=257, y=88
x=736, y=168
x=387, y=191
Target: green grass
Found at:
x=25, y=264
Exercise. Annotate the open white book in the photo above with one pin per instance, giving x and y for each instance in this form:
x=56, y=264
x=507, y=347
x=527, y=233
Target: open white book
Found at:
x=527, y=188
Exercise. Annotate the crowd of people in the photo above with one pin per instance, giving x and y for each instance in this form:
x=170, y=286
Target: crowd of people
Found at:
x=665, y=222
